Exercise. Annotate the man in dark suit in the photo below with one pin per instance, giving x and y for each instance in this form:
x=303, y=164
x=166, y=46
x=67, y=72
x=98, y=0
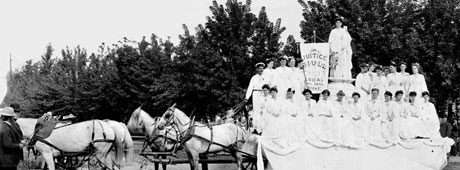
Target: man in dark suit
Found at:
x=10, y=140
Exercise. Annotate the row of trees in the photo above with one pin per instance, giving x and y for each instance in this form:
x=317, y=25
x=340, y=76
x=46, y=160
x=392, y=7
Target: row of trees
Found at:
x=208, y=71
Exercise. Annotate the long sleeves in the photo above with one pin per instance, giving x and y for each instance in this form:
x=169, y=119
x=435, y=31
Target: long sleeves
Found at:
x=256, y=83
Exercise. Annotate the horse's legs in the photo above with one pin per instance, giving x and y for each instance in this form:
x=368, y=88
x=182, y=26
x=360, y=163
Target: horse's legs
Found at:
x=164, y=165
x=192, y=157
x=48, y=157
x=238, y=159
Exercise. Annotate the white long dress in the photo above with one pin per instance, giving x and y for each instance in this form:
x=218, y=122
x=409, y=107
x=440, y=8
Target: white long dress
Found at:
x=359, y=123
x=312, y=126
x=344, y=129
x=281, y=80
x=363, y=81
x=340, y=47
x=417, y=83
x=430, y=120
x=414, y=120
x=388, y=125
x=258, y=114
x=269, y=76
x=395, y=82
x=401, y=119
x=292, y=121
x=380, y=82
x=404, y=79
x=325, y=110
x=373, y=109
x=272, y=118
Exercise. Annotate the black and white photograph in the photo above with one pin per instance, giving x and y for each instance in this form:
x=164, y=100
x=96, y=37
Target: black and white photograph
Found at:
x=230, y=85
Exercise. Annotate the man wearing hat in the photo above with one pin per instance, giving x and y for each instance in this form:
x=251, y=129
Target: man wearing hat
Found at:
x=10, y=140
x=256, y=82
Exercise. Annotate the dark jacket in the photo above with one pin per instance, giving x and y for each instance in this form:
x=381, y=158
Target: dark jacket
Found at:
x=10, y=137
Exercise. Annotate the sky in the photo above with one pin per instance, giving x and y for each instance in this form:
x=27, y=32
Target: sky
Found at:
x=27, y=26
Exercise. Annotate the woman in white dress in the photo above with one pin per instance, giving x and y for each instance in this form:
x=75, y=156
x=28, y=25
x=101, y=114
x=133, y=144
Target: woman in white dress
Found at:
x=358, y=120
x=341, y=51
x=388, y=117
x=417, y=81
x=295, y=78
x=258, y=114
x=395, y=82
x=272, y=116
x=414, y=120
x=430, y=117
x=344, y=131
x=401, y=116
x=311, y=122
x=269, y=72
x=379, y=82
x=404, y=76
x=291, y=118
x=281, y=77
x=325, y=110
x=373, y=110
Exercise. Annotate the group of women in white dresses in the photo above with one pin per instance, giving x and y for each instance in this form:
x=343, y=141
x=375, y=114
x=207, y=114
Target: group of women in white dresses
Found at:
x=287, y=111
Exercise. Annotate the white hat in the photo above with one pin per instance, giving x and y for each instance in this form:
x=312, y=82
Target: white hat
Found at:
x=7, y=111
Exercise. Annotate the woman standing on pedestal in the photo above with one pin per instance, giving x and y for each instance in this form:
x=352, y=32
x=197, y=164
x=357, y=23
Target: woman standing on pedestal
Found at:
x=340, y=50
x=417, y=82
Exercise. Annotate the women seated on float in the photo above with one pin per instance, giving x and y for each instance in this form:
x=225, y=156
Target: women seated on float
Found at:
x=430, y=117
x=271, y=115
x=358, y=120
x=343, y=129
x=292, y=124
x=388, y=117
x=311, y=121
x=374, y=113
x=325, y=110
x=411, y=121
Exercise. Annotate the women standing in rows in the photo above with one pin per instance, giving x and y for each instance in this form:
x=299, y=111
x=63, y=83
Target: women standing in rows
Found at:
x=417, y=82
x=325, y=117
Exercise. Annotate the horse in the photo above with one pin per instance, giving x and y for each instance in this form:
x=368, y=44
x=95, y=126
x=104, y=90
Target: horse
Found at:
x=141, y=122
x=75, y=138
x=122, y=138
x=198, y=138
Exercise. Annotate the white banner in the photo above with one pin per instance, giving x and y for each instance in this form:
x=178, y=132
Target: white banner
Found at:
x=316, y=59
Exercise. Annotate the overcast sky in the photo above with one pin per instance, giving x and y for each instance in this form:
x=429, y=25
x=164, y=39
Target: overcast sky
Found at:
x=27, y=26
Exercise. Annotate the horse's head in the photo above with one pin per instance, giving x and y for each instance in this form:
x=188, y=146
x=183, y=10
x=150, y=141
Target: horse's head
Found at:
x=136, y=123
x=173, y=116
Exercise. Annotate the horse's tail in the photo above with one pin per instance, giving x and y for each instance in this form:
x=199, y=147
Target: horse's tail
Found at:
x=128, y=145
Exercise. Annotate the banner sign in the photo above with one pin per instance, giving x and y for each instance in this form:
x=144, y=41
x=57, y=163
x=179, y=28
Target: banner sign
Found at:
x=316, y=60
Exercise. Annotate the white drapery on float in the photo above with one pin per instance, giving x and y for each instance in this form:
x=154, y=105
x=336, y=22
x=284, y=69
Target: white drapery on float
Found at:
x=313, y=152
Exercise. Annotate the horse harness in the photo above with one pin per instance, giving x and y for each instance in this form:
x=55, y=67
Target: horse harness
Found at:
x=189, y=134
x=70, y=160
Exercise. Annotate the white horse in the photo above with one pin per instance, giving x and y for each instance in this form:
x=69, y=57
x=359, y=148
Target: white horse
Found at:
x=75, y=138
x=122, y=138
x=141, y=122
x=205, y=139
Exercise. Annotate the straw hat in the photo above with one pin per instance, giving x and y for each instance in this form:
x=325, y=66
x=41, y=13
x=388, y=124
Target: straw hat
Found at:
x=7, y=111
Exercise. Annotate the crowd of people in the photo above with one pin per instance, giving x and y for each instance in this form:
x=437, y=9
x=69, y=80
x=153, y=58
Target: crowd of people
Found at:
x=385, y=108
